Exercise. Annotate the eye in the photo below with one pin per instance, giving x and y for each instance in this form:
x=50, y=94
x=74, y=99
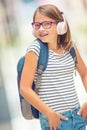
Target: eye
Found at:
x=47, y=23
x=36, y=24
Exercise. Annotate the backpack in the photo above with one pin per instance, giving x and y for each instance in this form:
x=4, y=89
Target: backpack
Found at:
x=28, y=111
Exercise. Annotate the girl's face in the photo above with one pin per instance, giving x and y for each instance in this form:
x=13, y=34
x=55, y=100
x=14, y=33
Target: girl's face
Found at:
x=45, y=28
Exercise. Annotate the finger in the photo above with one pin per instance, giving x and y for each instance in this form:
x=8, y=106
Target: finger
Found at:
x=80, y=111
x=63, y=117
x=50, y=127
x=53, y=128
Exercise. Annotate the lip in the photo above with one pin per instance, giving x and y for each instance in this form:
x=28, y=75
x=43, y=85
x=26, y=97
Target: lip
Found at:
x=43, y=35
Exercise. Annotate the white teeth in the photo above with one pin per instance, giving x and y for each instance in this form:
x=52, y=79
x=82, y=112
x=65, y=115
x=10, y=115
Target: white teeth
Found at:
x=42, y=35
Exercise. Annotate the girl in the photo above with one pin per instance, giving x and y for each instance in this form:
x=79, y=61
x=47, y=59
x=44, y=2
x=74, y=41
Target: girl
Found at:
x=57, y=99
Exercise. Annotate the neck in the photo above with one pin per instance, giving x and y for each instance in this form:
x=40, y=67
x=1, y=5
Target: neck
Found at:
x=53, y=46
x=56, y=49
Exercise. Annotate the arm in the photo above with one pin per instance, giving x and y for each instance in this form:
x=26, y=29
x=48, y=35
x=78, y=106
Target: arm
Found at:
x=27, y=79
x=27, y=92
x=81, y=68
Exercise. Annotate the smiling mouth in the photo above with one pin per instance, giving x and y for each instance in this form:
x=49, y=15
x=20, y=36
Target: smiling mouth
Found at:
x=43, y=35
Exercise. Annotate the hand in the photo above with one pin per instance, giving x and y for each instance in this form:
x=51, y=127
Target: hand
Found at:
x=83, y=110
x=54, y=120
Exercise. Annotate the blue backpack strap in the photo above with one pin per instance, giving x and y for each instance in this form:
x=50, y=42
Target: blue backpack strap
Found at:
x=42, y=64
x=43, y=57
x=73, y=54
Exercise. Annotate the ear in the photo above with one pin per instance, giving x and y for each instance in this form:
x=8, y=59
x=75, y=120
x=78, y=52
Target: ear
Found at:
x=62, y=26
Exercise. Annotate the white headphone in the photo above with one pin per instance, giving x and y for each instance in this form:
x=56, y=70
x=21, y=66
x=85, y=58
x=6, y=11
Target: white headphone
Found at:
x=62, y=26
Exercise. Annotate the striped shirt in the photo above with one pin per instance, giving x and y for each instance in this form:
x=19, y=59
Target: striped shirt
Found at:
x=57, y=87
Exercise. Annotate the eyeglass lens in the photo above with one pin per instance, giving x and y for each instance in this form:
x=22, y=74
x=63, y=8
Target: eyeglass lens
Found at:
x=45, y=24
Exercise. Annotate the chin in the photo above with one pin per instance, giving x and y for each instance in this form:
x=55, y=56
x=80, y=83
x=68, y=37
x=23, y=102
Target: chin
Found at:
x=43, y=40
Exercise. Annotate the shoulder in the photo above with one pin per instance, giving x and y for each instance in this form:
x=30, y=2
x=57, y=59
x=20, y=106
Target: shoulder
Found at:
x=34, y=47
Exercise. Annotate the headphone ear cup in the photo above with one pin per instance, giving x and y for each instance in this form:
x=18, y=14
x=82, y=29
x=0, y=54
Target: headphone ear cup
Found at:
x=62, y=27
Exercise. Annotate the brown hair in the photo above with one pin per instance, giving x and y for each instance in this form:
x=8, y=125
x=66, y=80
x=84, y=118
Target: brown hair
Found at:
x=53, y=12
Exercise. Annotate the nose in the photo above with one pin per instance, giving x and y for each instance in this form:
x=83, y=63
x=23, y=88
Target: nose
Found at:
x=41, y=28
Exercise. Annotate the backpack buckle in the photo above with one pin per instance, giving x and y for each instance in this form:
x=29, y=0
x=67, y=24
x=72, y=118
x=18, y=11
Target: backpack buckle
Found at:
x=40, y=69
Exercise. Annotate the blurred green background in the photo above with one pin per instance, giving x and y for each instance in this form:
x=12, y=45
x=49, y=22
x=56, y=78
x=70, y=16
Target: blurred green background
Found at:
x=15, y=36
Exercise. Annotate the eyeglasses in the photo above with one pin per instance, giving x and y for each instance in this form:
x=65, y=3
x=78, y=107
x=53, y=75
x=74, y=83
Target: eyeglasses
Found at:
x=45, y=24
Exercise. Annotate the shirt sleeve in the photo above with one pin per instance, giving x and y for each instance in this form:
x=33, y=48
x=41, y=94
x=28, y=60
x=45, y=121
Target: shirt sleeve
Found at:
x=35, y=47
